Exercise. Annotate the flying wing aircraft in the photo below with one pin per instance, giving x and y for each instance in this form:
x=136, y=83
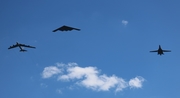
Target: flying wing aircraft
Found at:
x=20, y=46
x=66, y=28
x=160, y=51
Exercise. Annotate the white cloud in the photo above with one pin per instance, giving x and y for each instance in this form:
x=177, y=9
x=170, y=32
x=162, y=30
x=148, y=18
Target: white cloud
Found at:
x=76, y=72
x=50, y=71
x=136, y=82
x=91, y=78
x=124, y=22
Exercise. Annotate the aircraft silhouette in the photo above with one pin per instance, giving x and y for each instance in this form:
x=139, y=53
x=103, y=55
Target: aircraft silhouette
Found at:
x=160, y=51
x=20, y=46
x=65, y=28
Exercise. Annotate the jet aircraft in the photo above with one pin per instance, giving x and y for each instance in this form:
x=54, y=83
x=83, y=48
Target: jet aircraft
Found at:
x=20, y=46
x=160, y=51
x=66, y=28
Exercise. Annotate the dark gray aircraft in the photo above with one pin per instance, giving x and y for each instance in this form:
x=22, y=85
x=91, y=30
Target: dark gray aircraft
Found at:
x=66, y=28
x=20, y=46
x=160, y=51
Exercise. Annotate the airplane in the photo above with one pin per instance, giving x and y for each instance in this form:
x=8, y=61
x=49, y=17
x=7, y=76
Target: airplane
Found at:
x=66, y=28
x=20, y=46
x=160, y=51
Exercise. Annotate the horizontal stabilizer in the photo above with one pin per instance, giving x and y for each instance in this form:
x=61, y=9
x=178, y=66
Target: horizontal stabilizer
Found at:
x=22, y=50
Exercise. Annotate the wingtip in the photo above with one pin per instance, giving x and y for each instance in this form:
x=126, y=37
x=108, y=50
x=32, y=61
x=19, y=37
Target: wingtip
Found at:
x=78, y=29
x=10, y=47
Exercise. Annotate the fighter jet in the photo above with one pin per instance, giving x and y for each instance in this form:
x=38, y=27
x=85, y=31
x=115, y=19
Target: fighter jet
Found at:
x=160, y=51
x=66, y=28
x=20, y=46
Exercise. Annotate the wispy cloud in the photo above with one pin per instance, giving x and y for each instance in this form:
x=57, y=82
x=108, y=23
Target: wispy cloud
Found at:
x=43, y=85
x=91, y=78
x=59, y=91
x=124, y=22
x=50, y=71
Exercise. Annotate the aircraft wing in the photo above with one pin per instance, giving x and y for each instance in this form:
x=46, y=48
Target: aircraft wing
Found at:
x=154, y=51
x=166, y=50
x=23, y=45
x=76, y=29
x=13, y=46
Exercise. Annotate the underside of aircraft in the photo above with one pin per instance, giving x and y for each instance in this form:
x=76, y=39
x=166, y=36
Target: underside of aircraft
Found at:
x=160, y=51
x=66, y=28
x=21, y=47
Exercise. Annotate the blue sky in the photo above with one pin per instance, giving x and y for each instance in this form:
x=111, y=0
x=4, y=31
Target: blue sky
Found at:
x=108, y=58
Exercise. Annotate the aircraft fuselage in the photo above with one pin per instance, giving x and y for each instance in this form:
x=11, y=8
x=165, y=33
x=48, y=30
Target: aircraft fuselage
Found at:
x=160, y=51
